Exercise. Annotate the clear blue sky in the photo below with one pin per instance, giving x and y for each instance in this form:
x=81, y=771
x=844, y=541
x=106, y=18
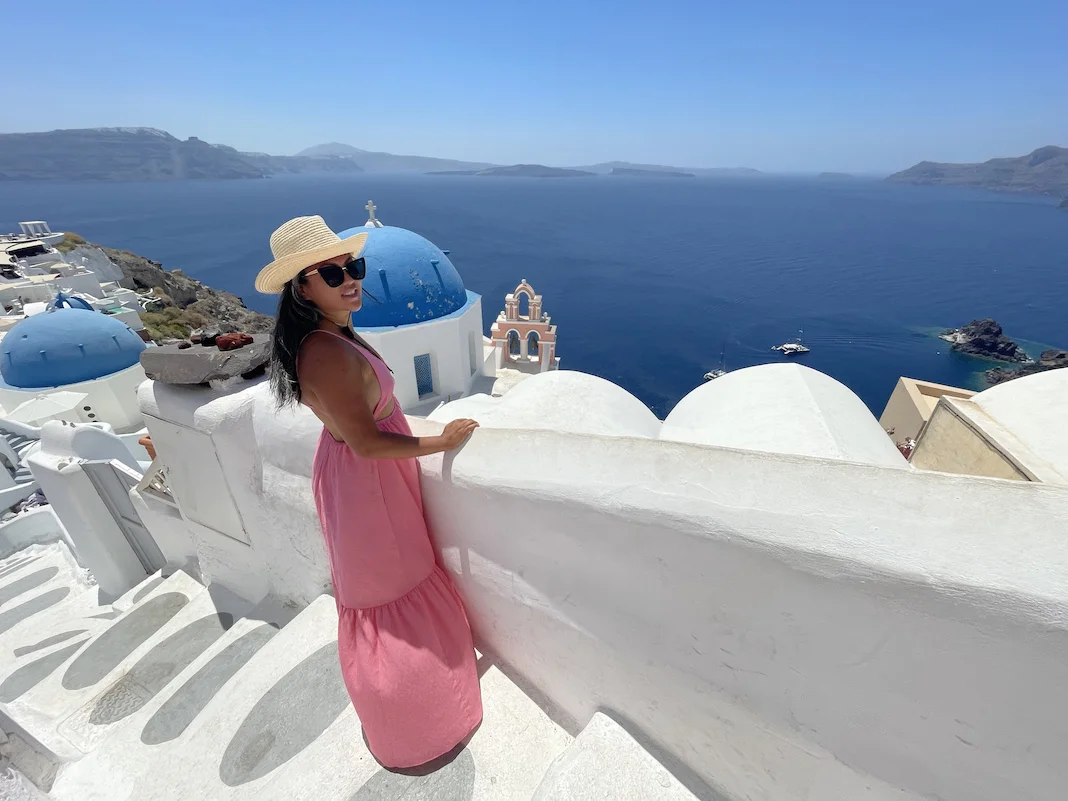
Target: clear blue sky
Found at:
x=781, y=86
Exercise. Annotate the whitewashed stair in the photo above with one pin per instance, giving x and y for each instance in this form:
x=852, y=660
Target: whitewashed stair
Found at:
x=92, y=685
x=197, y=707
x=283, y=728
x=605, y=762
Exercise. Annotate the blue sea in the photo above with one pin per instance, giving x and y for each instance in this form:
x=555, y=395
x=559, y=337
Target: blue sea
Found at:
x=650, y=280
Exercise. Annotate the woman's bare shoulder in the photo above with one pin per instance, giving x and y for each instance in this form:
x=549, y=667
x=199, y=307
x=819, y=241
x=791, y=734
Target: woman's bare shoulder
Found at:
x=329, y=356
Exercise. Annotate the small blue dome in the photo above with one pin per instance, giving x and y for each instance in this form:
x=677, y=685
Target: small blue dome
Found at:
x=412, y=278
x=66, y=346
x=63, y=302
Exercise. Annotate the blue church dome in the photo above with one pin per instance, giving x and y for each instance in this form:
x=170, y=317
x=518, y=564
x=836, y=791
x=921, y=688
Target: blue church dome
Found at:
x=67, y=346
x=412, y=278
x=63, y=302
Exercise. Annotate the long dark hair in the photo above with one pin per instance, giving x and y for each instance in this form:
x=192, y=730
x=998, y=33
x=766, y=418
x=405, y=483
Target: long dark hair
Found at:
x=297, y=317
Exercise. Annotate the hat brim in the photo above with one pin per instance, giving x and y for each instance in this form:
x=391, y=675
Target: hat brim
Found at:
x=273, y=278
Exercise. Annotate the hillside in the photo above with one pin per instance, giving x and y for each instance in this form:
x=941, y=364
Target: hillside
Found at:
x=607, y=167
x=1043, y=172
x=520, y=171
x=142, y=154
x=372, y=161
x=640, y=173
x=116, y=154
x=185, y=303
x=278, y=165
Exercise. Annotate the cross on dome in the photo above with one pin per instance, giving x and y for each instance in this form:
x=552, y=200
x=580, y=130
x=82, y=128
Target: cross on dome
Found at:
x=372, y=221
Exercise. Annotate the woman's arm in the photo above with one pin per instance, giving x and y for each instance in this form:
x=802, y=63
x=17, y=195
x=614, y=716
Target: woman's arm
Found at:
x=343, y=383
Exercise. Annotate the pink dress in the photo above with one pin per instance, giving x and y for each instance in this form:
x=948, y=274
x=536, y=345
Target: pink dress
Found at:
x=403, y=636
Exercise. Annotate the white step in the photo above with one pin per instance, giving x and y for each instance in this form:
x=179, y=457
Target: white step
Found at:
x=110, y=772
x=70, y=707
x=605, y=762
x=41, y=588
x=284, y=728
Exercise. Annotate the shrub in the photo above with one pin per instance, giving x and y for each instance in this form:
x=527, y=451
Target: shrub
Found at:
x=70, y=241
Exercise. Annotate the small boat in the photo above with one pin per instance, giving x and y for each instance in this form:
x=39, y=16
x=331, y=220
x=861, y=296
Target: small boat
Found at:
x=793, y=348
x=721, y=370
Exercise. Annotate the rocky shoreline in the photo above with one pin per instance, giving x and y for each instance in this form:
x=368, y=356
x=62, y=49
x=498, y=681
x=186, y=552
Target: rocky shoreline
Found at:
x=985, y=339
x=1049, y=360
x=185, y=304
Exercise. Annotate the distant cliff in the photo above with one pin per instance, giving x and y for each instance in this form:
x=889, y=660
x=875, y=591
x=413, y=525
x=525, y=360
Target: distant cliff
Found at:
x=638, y=172
x=141, y=154
x=520, y=171
x=607, y=168
x=1043, y=172
x=117, y=154
x=277, y=165
x=375, y=161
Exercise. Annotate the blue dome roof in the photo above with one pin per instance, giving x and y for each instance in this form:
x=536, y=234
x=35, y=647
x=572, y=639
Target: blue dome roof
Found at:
x=411, y=277
x=67, y=346
x=63, y=302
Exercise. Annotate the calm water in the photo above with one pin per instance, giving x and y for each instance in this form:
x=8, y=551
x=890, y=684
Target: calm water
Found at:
x=649, y=280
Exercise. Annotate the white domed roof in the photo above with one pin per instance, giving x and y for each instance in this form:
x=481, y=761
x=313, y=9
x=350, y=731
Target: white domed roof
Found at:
x=1033, y=410
x=782, y=408
x=560, y=400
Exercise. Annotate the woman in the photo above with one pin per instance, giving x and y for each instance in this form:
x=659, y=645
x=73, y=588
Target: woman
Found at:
x=403, y=636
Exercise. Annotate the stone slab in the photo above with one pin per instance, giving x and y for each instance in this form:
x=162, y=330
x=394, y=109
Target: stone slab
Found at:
x=605, y=762
x=199, y=365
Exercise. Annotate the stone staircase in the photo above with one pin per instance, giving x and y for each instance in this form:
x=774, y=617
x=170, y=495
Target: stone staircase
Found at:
x=177, y=691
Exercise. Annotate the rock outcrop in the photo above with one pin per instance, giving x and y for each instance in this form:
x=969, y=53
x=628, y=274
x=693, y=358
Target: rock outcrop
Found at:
x=1049, y=360
x=985, y=339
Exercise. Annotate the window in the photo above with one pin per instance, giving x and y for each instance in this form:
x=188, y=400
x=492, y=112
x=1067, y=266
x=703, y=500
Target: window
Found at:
x=471, y=342
x=424, y=375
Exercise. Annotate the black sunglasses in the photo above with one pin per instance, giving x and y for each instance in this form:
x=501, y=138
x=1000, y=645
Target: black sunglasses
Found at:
x=333, y=275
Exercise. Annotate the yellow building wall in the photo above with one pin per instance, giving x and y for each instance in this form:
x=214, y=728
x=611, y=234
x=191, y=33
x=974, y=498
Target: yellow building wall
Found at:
x=949, y=445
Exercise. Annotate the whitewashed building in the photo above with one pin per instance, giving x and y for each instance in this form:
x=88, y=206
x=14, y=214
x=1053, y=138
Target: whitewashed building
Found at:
x=79, y=352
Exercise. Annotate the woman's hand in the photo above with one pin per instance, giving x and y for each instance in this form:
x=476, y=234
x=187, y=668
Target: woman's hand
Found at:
x=456, y=432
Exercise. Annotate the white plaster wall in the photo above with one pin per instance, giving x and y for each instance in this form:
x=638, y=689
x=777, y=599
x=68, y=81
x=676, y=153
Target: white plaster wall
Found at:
x=260, y=478
x=447, y=343
x=771, y=626
x=782, y=408
x=560, y=400
x=36, y=526
x=754, y=615
x=86, y=282
x=28, y=291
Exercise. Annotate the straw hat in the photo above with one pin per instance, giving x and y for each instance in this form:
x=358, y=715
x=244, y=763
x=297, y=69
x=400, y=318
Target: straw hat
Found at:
x=297, y=245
